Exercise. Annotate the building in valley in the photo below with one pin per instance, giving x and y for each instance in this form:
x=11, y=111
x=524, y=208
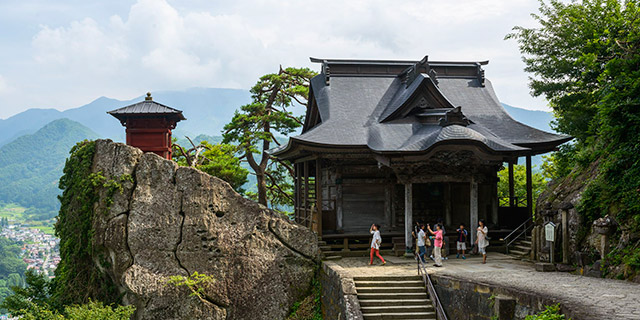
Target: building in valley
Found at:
x=392, y=142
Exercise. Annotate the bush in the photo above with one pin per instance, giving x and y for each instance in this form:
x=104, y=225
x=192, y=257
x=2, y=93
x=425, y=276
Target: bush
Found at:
x=550, y=313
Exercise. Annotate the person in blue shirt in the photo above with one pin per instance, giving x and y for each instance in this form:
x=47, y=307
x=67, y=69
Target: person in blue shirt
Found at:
x=461, y=243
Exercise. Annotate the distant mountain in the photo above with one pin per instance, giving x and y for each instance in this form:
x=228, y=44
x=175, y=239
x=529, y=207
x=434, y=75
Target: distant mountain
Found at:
x=206, y=110
x=538, y=119
x=31, y=165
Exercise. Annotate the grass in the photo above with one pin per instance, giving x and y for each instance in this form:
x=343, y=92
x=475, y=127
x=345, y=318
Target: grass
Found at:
x=16, y=215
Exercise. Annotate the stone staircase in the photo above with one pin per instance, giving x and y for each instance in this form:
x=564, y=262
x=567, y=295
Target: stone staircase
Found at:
x=521, y=248
x=393, y=297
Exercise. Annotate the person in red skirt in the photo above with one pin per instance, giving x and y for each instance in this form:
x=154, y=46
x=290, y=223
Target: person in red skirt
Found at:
x=375, y=243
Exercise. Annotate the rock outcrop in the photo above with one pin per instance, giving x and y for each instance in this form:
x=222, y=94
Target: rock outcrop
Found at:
x=155, y=220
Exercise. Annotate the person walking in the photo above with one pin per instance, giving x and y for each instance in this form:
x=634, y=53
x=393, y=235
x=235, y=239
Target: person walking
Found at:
x=422, y=243
x=461, y=243
x=481, y=240
x=437, y=244
x=375, y=243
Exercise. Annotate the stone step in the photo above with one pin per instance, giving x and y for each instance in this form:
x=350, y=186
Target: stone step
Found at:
x=386, y=278
x=332, y=258
x=520, y=248
x=524, y=242
x=390, y=289
x=399, y=315
x=392, y=296
x=322, y=243
x=396, y=302
x=396, y=309
x=324, y=248
x=514, y=252
x=389, y=283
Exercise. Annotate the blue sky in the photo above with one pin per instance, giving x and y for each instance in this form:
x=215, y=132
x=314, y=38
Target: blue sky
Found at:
x=65, y=53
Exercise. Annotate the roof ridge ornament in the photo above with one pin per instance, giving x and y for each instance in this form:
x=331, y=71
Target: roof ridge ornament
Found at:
x=148, y=97
x=454, y=116
x=422, y=66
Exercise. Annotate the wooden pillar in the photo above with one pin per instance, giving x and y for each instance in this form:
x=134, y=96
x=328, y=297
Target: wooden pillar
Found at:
x=447, y=204
x=387, y=204
x=305, y=197
x=408, y=214
x=296, y=198
x=339, y=213
x=511, y=186
x=529, y=188
x=319, y=194
x=494, y=203
x=565, y=237
x=473, y=206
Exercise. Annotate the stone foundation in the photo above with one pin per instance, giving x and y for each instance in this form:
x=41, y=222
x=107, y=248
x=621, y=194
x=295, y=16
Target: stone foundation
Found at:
x=467, y=300
x=339, y=297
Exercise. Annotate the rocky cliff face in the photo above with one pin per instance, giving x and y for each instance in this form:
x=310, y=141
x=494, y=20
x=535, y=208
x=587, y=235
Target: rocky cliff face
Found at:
x=589, y=241
x=162, y=220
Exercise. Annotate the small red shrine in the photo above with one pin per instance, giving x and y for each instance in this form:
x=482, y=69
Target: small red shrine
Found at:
x=149, y=125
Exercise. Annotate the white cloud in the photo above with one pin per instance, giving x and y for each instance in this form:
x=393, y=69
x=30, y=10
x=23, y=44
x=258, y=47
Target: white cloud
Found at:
x=4, y=86
x=165, y=45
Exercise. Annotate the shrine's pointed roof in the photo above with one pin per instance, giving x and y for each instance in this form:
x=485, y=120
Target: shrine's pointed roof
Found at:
x=413, y=106
x=147, y=107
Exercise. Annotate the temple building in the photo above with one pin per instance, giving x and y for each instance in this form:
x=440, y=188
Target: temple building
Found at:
x=393, y=142
x=149, y=125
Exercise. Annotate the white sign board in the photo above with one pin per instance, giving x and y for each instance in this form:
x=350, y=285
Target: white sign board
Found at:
x=550, y=231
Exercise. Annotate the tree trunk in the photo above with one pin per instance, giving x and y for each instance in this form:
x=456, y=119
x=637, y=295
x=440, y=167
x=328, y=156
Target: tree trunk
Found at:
x=262, y=188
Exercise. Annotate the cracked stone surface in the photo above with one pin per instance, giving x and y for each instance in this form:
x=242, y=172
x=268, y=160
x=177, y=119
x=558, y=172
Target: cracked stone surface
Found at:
x=174, y=220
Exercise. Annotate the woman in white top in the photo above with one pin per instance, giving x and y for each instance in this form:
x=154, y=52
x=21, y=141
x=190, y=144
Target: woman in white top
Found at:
x=375, y=243
x=481, y=240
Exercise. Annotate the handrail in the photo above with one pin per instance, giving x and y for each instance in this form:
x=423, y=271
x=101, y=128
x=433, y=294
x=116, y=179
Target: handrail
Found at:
x=525, y=227
x=437, y=305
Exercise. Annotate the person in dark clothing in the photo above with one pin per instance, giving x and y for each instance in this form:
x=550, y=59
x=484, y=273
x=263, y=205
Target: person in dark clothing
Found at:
x=461, y=243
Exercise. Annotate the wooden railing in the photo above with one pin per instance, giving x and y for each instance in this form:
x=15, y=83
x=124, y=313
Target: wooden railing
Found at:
x=437, y=305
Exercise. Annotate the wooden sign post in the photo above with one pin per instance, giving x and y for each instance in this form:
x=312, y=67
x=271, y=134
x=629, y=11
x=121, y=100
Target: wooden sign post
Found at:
x=550, y=236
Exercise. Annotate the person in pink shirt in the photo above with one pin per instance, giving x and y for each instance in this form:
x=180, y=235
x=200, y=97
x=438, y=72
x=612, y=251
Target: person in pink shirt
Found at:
x=437, y=244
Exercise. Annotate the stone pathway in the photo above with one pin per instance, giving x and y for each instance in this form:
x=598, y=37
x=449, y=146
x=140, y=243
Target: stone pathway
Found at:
x=592, y=297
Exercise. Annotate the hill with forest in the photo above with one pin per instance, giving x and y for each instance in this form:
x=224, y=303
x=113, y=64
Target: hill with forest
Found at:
x=206, y=110
x=31, y=165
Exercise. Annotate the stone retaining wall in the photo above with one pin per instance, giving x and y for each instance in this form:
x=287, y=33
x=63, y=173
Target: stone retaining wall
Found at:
x=339, y=297
x=467, y=300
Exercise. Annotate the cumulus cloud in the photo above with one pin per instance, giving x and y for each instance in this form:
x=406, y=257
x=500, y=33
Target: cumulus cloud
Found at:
x=158, y=45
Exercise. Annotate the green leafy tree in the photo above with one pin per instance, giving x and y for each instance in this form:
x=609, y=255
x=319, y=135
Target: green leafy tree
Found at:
x=538, y=184
x=34, y=302
x=218, y=160
x=254, y=126
x=585, y=59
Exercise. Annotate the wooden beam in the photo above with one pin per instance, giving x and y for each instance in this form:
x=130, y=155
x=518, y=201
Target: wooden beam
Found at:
x=408, y=214
x=339, y=212
x=319, y=194
x=511, y=186
x=447, y=204
x=473, y=207
x=529, y=188
x=305, y=198
x=296, y=198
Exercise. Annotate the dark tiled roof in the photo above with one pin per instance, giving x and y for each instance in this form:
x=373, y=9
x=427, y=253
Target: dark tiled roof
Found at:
x=355, y=111
x=146, y=107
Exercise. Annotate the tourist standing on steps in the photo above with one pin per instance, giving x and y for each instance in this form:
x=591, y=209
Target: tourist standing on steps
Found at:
x=481, y=240
x=375, y=243
x=461, y=243
x=437, y=244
